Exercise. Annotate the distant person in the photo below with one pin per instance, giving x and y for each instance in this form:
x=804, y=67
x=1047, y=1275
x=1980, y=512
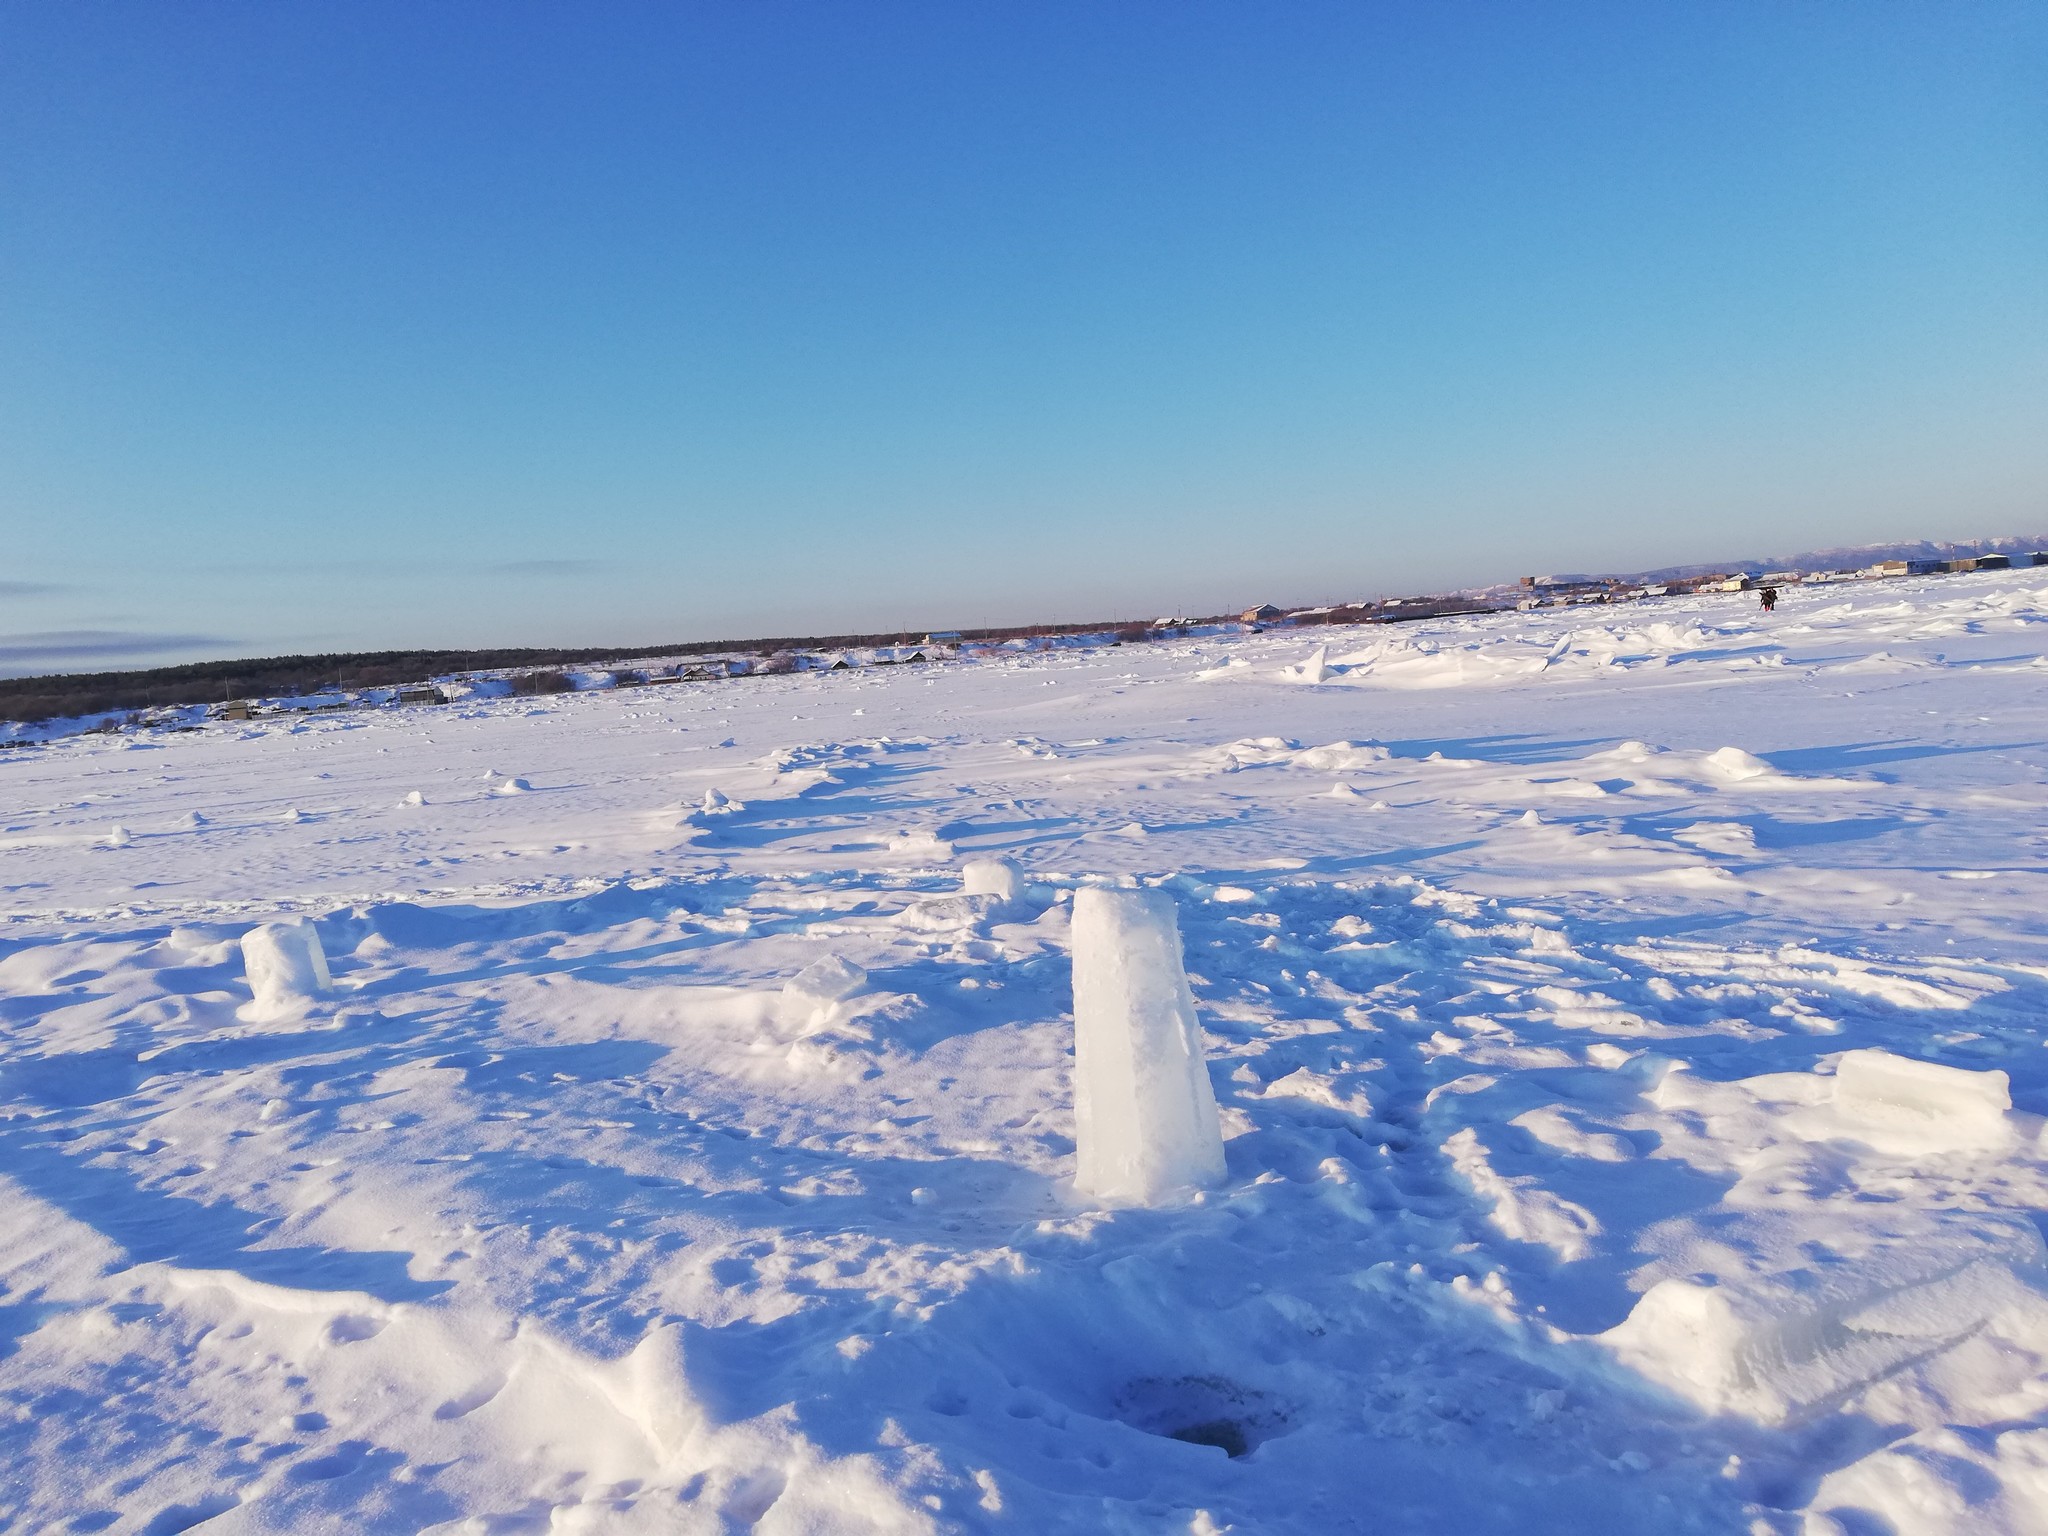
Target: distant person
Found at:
x=1770, y=598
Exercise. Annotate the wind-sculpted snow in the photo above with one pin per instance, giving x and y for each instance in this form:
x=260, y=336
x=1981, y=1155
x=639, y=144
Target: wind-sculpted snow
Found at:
x=1626, y=1036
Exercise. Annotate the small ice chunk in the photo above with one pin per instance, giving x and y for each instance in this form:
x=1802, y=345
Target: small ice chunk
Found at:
x=1314, y=669
x=117, y=837
x=1921, y=1101
x=940, y=914
x=827, y=980
x=1144, y=1111
x=1000, y=878
x=414, y=797
x=920, y=842
x=191, y=821
x=513, y=787
x=811, y=998
x=292, y=814
x=286, y=968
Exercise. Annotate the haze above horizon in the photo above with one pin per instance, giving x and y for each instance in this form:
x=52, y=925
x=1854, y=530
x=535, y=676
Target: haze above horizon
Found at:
x=358, y=327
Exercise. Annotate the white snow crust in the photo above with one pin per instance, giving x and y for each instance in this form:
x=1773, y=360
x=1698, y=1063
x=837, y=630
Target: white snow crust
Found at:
x=1624, y=1030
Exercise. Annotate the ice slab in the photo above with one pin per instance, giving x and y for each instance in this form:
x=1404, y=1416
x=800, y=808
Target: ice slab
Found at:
x=810, y=997
x=826, y=980
x=1921, y=1104
x=1774, y=1346
x=286, y=968
x=1145, y=1115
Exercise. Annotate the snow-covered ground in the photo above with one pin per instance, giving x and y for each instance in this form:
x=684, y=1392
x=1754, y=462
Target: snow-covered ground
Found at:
x=678, y=1150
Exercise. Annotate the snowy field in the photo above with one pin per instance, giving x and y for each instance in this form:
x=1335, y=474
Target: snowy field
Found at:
x=678, y=1149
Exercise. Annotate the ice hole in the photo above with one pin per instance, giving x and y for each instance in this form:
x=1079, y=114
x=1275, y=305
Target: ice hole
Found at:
x=1204, y=1410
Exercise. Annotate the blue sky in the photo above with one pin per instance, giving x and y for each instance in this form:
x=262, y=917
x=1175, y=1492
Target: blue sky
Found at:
x=343, y=326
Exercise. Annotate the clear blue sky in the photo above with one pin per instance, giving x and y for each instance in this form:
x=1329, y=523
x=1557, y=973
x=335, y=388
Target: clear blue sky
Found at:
x=351, y=325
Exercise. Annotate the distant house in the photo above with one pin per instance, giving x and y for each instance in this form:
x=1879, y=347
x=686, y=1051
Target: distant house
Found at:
x=707, y=671
x=1905, y=568
x=1725, y=584
x=422, y=693
x=1265, y=613
x=943, y=637
x=1991, y=563
x=236, y=709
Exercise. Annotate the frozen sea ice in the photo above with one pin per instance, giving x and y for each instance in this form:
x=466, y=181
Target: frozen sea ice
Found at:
x=1145, y=1114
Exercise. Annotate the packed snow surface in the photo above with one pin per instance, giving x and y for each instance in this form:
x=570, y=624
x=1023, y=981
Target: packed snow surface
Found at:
x=654, y=1110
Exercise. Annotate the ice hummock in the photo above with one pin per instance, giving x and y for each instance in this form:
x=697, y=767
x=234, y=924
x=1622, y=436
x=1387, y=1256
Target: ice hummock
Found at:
x=286, y=968
x=1145, y=1114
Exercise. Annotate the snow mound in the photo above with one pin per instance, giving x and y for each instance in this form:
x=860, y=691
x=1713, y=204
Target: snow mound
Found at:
x=1734, y=763
x=1729, y=837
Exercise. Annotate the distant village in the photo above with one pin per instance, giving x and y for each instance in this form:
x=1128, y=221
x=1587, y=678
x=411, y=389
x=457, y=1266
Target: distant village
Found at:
x=1561, y=591
x=783, y=659
x=943, y=646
